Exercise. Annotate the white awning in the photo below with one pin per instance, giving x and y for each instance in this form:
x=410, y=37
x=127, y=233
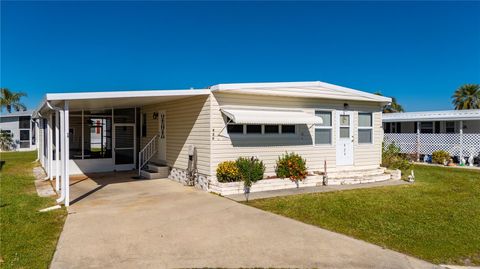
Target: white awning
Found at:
x=270, y=116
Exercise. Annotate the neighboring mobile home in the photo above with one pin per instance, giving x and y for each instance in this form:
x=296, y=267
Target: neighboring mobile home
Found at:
x=422, y=133
x=21, y=129
x=185, y=134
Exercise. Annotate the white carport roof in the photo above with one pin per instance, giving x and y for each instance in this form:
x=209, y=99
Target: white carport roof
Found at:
x=270, y=116
x=451, y=115
x=116, y=99
x=313, y=89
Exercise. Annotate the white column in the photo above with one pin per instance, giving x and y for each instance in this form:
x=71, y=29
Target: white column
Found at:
x=50, y=148
x=66, y=149
x=418, y=141
x=57, y=151
x=461, y=142
x=37, y=138
x=61, y=135
x=83, y=136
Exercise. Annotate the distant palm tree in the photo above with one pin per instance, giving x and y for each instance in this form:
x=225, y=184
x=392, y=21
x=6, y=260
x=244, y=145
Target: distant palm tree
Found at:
x=394, y=107
x=11, y=100
x=467, y=97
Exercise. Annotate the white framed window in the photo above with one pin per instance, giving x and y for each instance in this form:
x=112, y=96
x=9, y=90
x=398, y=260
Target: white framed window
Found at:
x=260, y=129
x=323, y=132
x=365, y=128
x=426, y=127
x=450, y=127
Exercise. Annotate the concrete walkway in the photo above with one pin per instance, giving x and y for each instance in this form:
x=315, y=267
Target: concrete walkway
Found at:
x=286, y=192
x=162, y=224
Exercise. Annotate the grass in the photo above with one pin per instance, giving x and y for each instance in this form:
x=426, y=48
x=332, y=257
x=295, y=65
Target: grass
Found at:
x=436, y=219
x=27, y=237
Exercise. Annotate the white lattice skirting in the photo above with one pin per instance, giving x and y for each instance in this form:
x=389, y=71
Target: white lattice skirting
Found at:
x=428, y=143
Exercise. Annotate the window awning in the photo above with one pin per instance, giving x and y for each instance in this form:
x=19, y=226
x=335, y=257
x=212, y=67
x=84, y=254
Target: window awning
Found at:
x=270, y=116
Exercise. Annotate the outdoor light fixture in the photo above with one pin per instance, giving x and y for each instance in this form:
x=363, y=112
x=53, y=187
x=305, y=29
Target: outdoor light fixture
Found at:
x=345, y=106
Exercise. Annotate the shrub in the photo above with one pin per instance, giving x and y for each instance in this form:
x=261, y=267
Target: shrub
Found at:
x=251, y=170
x=393, y=159
x=440, y=156
x=292, y=166
x=228, y=172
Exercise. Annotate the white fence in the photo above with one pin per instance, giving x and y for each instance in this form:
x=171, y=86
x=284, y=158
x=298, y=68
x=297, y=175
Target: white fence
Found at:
x=455, y=144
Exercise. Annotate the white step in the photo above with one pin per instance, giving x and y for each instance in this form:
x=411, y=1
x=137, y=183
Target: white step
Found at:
x=356, y=173
x=358, y=180
x=157, y=168
x=153, y=171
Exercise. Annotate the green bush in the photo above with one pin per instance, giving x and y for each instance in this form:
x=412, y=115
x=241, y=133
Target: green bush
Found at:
x=228, y=172
x=251, y=170
x=440, y=156
x=292, y=166
x=393, y=159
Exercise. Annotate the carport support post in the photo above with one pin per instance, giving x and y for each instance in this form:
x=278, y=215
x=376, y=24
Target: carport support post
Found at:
x=418, y=141
x=57, y=151
x=66, y=158
x=50, y=147
x=61, y=134
x=461, y=143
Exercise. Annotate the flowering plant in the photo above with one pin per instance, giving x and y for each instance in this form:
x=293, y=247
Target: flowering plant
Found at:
x=291, y=166
x=228, y=172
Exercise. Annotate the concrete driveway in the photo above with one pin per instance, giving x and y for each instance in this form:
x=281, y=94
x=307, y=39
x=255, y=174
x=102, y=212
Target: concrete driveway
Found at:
x=119, y=223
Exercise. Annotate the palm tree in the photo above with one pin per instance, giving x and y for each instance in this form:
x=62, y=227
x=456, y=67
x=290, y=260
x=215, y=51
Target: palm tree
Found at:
x=11, y=100
x=394, y=107
x=467, y=97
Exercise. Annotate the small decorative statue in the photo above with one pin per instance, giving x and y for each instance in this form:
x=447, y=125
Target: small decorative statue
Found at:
x=470, y=159
x=411, y=177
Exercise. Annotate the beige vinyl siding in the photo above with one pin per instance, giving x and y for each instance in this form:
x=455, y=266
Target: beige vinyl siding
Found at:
x=269, y=147
x=188, y=123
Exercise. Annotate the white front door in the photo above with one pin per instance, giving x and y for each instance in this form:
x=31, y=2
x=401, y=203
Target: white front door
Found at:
x=344, y=138
x=124, y=146
x=162, y=136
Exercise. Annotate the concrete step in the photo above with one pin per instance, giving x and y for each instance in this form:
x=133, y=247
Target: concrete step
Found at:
x=356, y=173
x=358, y=180
x=153, y=171
x=157, y=168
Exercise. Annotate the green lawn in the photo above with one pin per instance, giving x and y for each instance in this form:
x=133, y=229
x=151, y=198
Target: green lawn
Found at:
x=28, y=238
x=437, y=218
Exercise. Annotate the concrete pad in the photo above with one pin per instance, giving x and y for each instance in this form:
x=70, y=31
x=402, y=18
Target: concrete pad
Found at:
x=162, y=224
x=287, y=192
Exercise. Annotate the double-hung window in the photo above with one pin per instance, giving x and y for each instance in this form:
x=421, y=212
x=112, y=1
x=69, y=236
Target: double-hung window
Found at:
x=323, y=132
x=365, y=128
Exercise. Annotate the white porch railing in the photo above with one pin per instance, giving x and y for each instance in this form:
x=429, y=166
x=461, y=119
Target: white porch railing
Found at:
x=147, y=153
x=461, y=145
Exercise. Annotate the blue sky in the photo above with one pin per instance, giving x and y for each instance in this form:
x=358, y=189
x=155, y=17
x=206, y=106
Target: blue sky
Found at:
x=419, y=52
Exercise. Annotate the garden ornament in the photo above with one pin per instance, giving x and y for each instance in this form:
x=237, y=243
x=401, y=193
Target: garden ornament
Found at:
x=411, y=177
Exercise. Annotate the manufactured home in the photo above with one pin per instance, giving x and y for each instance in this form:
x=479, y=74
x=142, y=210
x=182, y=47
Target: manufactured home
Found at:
x=185, y=134
x=421, y=133
x=20, y=127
